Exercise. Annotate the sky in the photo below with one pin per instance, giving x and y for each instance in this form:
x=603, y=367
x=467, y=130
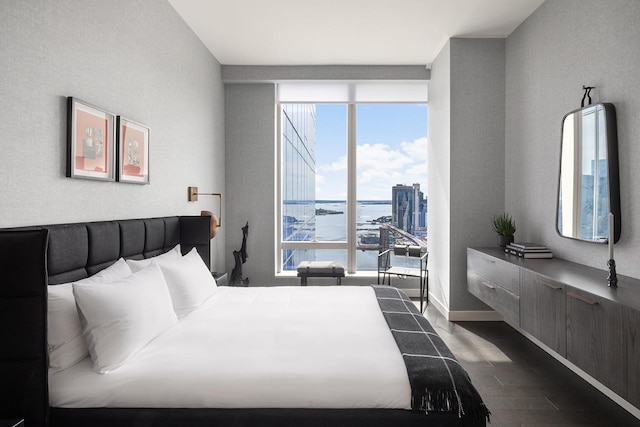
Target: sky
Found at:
x=391, y=149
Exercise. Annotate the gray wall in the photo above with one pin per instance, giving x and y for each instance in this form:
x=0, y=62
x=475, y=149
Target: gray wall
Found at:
x=275, y=73
x=466, y=162
x=561, y=47
x=135, y=58
x=250, y=177
x=439, y=179
x=477, y=153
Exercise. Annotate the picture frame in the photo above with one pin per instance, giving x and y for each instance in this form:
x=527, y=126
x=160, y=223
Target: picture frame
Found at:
x=90, y=141
x=133, y=151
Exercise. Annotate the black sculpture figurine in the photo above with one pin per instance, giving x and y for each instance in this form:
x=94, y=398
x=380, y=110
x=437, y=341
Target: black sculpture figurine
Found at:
x=243, y=248
x=240, y=258
x=612, y=279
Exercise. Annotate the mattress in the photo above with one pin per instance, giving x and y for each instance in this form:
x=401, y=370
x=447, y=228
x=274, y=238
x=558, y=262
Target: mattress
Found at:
x=256, y=347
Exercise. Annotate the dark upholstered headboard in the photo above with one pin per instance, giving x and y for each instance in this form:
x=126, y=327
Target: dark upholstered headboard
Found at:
x=33, y=257
x=82, y=249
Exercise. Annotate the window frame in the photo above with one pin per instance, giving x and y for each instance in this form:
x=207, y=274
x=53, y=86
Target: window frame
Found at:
x=350, y=244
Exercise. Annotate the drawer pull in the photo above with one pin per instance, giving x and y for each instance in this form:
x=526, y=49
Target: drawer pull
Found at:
x=551, y=285
x=488, y=285
x=583, y=298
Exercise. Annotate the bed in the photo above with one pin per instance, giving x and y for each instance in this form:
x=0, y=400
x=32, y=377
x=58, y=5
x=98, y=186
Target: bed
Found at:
x=273, y=351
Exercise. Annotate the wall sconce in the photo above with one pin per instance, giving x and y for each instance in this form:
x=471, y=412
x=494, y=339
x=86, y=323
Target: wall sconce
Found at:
x=216, y=221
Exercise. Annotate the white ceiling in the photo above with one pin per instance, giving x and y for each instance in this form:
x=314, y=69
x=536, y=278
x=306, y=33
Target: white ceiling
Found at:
x=344, y=32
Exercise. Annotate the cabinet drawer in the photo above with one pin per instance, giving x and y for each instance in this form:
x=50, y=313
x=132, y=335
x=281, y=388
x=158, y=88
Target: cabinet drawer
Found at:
x=543, y=310
x=502, y=273
x=594, y=337
x=496, y=297
x=540, y=280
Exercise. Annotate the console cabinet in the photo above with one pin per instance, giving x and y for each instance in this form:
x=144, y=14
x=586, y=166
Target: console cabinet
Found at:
x=569, y=308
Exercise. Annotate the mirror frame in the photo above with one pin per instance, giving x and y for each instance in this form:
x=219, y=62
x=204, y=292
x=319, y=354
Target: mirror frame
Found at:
x=612, y=171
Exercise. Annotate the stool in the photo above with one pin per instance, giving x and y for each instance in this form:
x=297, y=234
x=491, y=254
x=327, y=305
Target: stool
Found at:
x=308, y=269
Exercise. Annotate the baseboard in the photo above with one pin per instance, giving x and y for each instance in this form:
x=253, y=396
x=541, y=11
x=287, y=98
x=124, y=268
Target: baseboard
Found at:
x=439, y=306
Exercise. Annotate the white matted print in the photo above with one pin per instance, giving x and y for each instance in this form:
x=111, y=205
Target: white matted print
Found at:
x=90, y=141
x=133, y=152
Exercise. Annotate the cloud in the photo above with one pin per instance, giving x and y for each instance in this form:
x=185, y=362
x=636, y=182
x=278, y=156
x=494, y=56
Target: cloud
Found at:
x=381, y=157
x=380, y=167
x=417, y=149
x=339, y=165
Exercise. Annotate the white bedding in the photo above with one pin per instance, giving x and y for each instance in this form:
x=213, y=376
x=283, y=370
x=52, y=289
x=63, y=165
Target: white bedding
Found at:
x=278, y=347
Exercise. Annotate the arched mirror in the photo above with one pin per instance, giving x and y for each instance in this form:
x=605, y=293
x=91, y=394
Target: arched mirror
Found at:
x=588, y=189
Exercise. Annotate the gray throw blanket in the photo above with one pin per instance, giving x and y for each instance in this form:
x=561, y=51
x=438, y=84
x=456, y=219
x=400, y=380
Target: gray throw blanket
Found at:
x=438, y=382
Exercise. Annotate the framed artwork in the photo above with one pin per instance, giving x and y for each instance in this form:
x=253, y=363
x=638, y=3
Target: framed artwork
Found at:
x=133, y=152
x=90, y=141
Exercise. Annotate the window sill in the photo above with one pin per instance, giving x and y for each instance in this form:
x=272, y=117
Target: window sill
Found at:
x=363, y=274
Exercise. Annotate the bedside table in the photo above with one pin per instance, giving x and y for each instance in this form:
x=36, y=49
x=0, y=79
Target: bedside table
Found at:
x=221, y=278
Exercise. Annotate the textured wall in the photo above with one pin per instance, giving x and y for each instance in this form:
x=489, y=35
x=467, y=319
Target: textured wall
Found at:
x=466, y=161
x=561, y=47
x=134, y=58
x=250, y=174
x=247, y=73
x=477, y=153
x=439, y=178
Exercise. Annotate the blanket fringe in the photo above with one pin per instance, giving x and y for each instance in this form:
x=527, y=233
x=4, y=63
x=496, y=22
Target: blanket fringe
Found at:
x=449, y=401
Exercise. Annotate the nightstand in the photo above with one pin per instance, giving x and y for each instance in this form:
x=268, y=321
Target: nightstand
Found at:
x=221, y=278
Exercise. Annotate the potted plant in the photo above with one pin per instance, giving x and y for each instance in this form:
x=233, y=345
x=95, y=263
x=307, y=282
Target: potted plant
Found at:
x=505, y=226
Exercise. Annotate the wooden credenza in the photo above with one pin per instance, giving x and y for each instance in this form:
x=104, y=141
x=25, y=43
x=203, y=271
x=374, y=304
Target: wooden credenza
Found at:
x=569, y=308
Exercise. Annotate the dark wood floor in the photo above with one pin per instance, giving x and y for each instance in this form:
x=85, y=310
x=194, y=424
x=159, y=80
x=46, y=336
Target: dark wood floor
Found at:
x=521, y=384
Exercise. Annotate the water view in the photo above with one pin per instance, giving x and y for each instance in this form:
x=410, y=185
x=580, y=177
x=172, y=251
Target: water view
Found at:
x=374, y=231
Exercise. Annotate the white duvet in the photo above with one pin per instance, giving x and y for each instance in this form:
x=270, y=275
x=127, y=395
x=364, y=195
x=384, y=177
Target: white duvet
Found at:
x=278, y=347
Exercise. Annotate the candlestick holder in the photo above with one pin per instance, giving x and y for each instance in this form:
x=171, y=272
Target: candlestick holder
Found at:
x=612, y=279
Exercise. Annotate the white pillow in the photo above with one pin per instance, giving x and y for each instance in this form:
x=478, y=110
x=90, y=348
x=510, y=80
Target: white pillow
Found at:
x=139, y=264
x=64, y=334
x=121, y=318
x=190, y=282
x=118, y=270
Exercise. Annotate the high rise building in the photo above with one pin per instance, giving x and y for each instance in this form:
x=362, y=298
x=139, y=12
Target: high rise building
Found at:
x=408, y=207
x=299, y=174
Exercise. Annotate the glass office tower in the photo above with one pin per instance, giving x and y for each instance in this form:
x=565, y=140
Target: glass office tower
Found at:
x=408, y=209
x=299, y=173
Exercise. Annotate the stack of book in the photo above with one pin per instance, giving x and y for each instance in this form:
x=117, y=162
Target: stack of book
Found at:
x=528, y=250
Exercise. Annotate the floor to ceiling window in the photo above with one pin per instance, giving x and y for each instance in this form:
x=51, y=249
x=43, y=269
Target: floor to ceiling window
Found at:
x=352, y=180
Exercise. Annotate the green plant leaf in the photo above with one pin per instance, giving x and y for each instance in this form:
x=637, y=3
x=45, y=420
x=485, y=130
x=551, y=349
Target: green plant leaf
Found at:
x=504, y=224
